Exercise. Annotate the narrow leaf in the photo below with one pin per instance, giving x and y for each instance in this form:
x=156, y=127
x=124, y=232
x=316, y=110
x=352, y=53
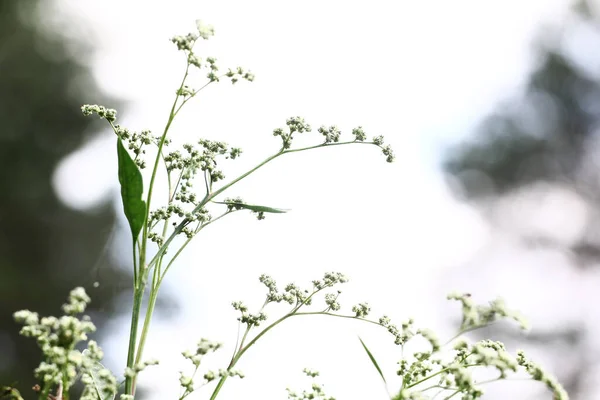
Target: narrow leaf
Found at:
x=93, y=369
x=132, y=189
x=372, y=360
x=254, y=207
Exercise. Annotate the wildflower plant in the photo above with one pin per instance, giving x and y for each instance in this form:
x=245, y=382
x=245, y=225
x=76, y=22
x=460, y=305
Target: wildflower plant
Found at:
x=317, y=392
x=448, y=369
x=68, y=354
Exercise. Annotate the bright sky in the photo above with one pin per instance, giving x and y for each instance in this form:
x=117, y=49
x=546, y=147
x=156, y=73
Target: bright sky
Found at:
x=420, y=73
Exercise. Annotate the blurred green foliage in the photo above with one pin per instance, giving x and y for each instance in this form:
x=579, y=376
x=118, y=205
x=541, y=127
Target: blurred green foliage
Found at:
x=46, y=248
x=548, y=133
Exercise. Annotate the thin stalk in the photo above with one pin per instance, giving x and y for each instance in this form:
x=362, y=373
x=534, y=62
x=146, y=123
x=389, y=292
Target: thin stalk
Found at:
x=135, y=266
x=241, y=352
x=441, y=371
x=338, y=316
x=186, y=243
x=135, y=316
x=324, y=145
x=214, y=194
x=149, y=312
x=463, y=331
x=157, y=162
x=243, y=348
x=142, y=275
x=204, y=201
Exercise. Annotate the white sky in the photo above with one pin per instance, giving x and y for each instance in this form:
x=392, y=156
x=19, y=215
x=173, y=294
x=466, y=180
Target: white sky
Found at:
x=420, y=73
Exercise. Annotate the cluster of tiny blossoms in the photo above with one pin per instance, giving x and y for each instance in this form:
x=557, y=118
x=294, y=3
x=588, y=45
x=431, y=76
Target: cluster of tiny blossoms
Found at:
x=332, y=135
x=182, y=168
x=475, y=315
x=291, y=294
x=202, y=159
x=438, y=370
x=316, y=391
x=186, y=44
x=203, y=347
x=58, y=338
x=134, y=141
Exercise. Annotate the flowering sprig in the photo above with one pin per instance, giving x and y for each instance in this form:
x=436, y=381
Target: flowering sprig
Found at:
x=186, y=44
x=296, y=297
x=187, y=382
x=58, y=338
x=316, y=392
x=188, y=211
x=442, y=370
x=332, y=136
x=477, y=315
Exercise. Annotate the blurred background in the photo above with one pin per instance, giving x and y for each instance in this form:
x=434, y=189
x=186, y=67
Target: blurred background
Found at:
x=492, y=107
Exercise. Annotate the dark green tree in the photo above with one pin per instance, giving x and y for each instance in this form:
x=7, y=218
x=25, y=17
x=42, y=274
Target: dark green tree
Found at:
x=46, y=248
x=550, y=134
x=547, y=134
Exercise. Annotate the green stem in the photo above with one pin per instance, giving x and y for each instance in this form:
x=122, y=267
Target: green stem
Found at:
x=156, y=163
x=210, y=196
x=339, y=316
x=162, y=276
x=243, y=349
x=135, y=316
x=204, y=201
x=149, y=312
x=441, y=371
x=470, y=329
x=317, y=146
x=142, y=267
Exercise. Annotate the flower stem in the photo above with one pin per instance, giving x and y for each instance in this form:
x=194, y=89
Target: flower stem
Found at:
x=135, y=316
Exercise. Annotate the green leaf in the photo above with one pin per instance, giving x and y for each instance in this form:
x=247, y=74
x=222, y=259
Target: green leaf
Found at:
x=93, y=368
x=372, y=359
x=254, y=207
x=132, y=188
x=10, y=393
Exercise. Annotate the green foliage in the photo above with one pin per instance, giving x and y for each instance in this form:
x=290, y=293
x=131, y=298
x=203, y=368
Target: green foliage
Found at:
x=187, y=213
x=132, y=189
x=48, y=246
x=97, y=387
x=373, y=361
x=9, y=393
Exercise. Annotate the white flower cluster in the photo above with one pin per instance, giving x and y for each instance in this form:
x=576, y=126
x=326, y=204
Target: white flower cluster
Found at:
x=295, y=296
x=132, y=372
x=475, y=315
x=450, y=371
x=203, y=347
x=315, y=393
x=58, y=338
x=108, y=114
x=248, y=318
x=186, y=44
x=332, y=136
x=539, y=374
x=294, y=124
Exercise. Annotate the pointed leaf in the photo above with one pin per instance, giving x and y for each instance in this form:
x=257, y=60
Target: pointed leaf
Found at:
x=132, y=189
x=254, y=207
x=93, y=368
x=372, y=359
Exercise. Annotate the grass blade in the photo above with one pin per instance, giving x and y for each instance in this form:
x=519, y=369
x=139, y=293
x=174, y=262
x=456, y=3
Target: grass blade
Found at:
x=252, y=207
x=372, y=359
